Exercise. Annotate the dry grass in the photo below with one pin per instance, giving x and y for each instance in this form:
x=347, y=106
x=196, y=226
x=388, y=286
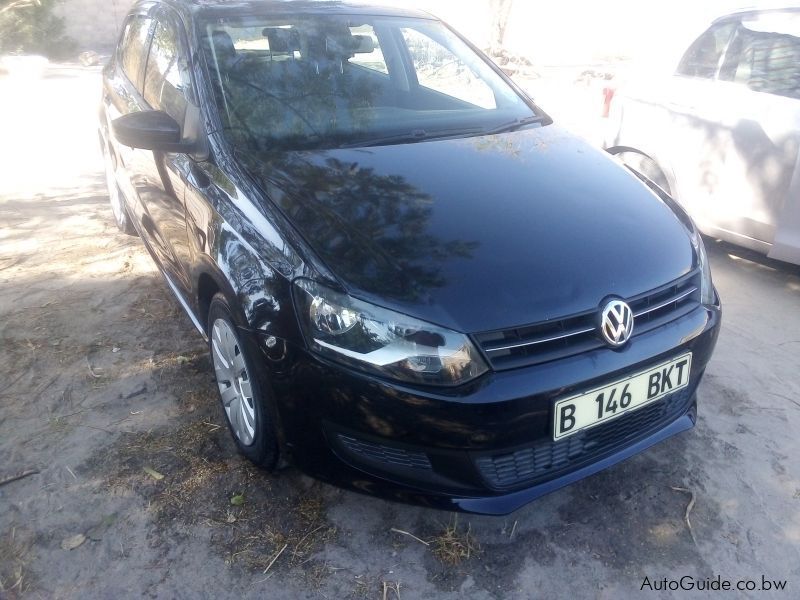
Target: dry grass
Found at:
x=143, y=307
x=285, y=537
x=175, y=455
x=375, y=587
x=272, y=526
x=265, y=529
x=15, y=555
x=362, y=588
x=452, y=546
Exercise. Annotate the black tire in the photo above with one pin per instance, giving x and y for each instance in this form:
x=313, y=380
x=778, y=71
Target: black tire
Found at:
x=263, y=450
x=118, y=210
x=641, y=163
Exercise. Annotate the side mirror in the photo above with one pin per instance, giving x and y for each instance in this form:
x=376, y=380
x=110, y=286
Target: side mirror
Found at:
x=149, y=130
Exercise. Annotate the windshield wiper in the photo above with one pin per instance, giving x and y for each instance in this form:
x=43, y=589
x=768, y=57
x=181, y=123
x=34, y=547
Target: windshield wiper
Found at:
x=515, y=124
x=418, y=135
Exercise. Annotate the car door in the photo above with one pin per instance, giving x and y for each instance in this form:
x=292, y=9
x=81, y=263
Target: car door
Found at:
x=761, y=81
x=168, y=87
x=695, y=138
x=122, y=95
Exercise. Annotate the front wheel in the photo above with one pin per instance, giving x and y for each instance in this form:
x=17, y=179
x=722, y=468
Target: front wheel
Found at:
x=233, y=355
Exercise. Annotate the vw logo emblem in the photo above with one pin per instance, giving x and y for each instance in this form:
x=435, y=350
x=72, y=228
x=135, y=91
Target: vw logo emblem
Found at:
x=616, y=323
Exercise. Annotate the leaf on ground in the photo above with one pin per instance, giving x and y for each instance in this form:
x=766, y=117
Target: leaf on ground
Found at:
x=73, y=542
x=237, y=499
x=182, y=360
x=153, y=473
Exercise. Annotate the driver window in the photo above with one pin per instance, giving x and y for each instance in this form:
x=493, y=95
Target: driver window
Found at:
x=134, y=48
x=440, y=70
x=167, y=81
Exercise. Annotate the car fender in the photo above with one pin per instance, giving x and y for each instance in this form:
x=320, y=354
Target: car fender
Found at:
x=253, y=270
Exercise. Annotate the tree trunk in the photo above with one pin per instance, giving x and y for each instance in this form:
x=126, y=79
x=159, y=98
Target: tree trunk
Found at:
x=501, y=10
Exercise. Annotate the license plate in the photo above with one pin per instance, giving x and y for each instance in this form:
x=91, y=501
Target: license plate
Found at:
x=611, y=401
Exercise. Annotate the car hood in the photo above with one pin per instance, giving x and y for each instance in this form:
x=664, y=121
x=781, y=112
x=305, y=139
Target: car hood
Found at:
x=480, y=233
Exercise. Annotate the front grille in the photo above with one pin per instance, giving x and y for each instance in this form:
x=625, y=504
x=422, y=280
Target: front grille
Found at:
x=388, y=455
x=559, y=338
x=525, y=466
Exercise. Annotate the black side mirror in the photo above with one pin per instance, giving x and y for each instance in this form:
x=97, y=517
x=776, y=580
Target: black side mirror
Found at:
x=149, y=130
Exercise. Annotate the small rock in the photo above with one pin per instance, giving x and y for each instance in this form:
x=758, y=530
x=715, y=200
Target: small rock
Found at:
x=153, y=473
x=73, y=542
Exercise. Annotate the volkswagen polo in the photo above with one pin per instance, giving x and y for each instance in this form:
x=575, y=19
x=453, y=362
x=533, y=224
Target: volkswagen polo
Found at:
x=412, y=282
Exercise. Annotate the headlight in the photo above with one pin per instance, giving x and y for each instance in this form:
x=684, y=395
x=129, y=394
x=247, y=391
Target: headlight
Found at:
x=383, y=342
x=706, y=285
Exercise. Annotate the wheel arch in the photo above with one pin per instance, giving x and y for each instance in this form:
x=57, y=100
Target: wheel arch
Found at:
x=209, y=280
x=258, y=295
x=665, y=169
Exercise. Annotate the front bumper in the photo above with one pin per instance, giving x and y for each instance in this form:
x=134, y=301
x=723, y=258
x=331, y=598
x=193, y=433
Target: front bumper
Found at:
x=485, y=447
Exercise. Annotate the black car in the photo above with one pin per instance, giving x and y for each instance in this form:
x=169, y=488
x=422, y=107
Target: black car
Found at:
x=413, y=283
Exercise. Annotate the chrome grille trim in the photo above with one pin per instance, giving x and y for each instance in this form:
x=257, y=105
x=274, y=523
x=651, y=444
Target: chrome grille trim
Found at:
x=665, y=303
x=555, y=339
x=540, y=341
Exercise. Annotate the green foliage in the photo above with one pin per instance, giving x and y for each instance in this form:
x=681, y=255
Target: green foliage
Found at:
x=30, y=27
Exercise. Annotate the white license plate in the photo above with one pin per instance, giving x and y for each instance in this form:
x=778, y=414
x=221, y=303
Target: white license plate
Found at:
x=611, y=401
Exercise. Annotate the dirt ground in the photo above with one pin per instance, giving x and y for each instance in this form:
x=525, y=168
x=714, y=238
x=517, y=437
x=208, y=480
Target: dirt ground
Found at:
x=106, y=391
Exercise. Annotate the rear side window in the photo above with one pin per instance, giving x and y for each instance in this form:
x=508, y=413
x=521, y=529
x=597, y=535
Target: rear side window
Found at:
x=765, y=56
x=167, y=84
x=134, y=48
x=704, y=56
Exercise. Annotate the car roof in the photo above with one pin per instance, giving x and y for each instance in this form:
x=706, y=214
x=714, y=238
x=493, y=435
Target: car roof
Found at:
x=223, y=8
x=764, y=8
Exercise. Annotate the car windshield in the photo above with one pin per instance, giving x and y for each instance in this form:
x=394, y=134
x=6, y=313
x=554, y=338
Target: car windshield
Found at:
x=324, y=81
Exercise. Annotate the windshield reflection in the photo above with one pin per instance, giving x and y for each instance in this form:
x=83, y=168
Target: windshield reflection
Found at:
x=323, y=81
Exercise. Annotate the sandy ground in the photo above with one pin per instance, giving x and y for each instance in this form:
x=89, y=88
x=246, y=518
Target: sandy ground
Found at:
x=103, y=377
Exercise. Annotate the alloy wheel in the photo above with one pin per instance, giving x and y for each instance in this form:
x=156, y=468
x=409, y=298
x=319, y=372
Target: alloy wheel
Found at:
x=234, y=381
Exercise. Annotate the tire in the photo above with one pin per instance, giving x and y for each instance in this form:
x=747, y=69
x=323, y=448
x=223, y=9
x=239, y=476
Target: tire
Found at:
x=115, y=197
x=645, y=165
x=243, y=399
